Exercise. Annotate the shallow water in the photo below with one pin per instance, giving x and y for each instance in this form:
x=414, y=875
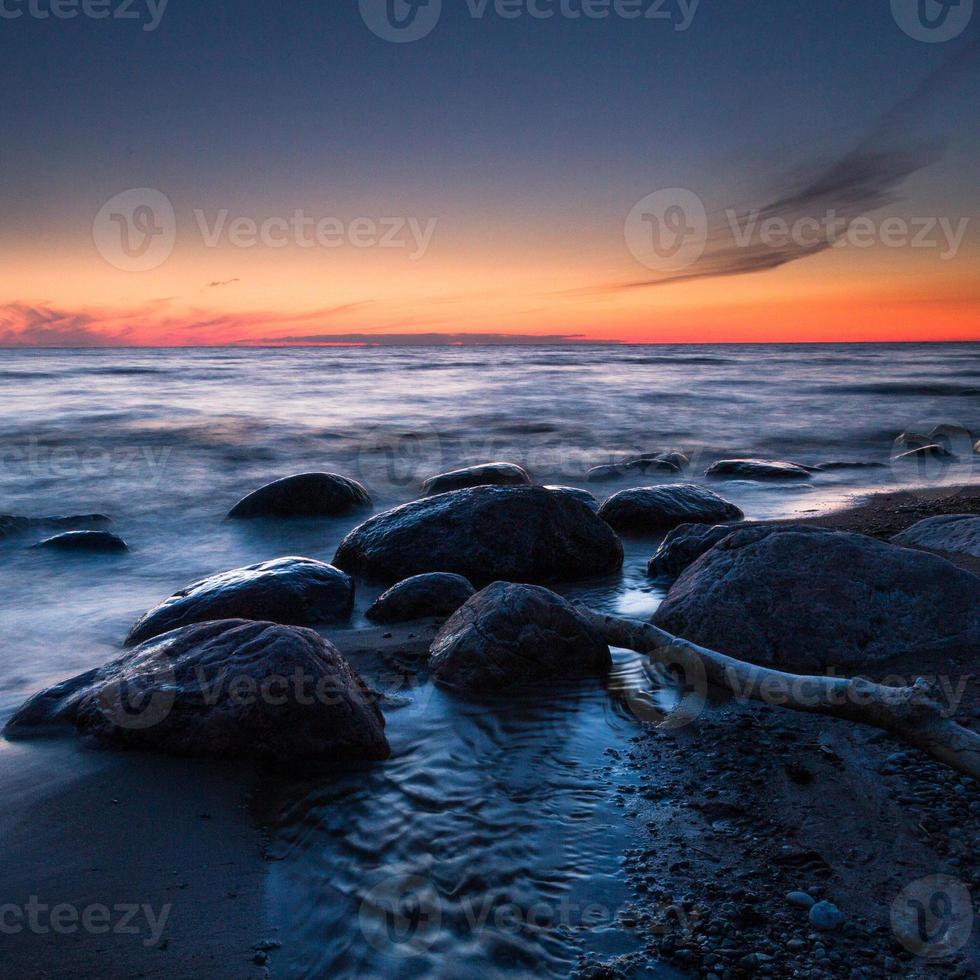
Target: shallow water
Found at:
x=481, y=844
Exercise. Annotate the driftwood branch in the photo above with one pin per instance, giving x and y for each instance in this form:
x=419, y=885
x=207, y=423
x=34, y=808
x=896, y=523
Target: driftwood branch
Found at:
x=913, y=714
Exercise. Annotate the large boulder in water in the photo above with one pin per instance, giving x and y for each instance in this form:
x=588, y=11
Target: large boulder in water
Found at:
x=652, y=509
x=577, y=493
x=510, y=635
x=957, y=534
x=95, y=542
x=293, y=591
x=230, y=689
x=525, y=534
x=434, y=594
x=757, y=469
x=685, y=545
x=805, y=599
x=306, y=495
x=488, y=474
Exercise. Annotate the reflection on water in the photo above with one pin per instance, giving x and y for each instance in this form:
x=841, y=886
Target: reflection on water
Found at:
x=491, y=841
x=488, y=843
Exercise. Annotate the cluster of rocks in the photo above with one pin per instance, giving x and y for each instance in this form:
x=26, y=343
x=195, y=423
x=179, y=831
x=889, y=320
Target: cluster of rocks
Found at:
x=791, y=597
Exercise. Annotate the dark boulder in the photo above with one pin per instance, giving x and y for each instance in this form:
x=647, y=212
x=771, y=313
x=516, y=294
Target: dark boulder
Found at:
x=509, y=635
x=91, y=541
x=652, y=509
x=578, y=494
x=489, y=474
x=228, y=689
x=306, y=495
x=669, y=463
x=685, y=545
x=527, y=534
x=757, y=469
x=957, y=534
x=434, y=594
x=293, y=591
x=804, y=599
x=955, y=439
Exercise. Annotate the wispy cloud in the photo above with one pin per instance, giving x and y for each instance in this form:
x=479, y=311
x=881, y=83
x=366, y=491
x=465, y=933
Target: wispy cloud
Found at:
x=865, y=179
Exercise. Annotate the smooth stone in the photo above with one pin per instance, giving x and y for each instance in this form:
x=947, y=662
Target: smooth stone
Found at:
x=757, y=469
x=11, y=524
x=976, y=448
x=826, y=916
x=306, y=495
x=292, y=591
x=227, y=689
x=671, y=463
x=654, y=509
x=910, y=440
x=433, y=594
x=92, y=541
x=489, y=474
x=485, y=534
x=952, y=533
x=806, y=599
x=578, y=494
x=509, y=635
x=683, y=546
x=801, y=900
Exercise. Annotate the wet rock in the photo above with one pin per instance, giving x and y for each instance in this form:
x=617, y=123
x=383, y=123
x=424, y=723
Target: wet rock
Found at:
x=953, y=533
x=434, y=594
x=227, y=689
x=11, y=524
x=805, y=599
x=651, y=509
x=757, y=469
x=489, y=474
x=293, y=591
x=306, y=495
x=826, y=916
x=583, y=496
x=669, y=463
x=525, y=534
x=91, y=541
x=683, y=546
x=801, y=900
x=509, y=635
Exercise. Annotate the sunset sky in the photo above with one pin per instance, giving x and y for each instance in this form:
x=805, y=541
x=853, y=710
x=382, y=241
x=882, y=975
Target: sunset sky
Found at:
x=516, y=148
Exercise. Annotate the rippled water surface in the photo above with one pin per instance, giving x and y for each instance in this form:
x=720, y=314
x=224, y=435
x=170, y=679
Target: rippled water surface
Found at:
x=487, y=811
